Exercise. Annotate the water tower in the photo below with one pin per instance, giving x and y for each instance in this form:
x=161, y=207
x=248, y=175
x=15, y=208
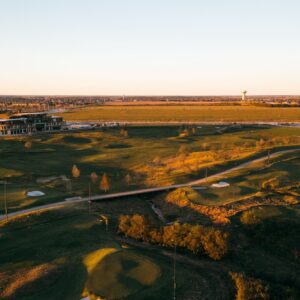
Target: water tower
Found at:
x=244, y=95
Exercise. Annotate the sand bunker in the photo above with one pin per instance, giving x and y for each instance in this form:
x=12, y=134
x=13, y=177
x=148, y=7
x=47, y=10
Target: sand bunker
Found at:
x=221, y=184
x=35, y=194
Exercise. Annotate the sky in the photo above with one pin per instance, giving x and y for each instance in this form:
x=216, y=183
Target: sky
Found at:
x=149, y=47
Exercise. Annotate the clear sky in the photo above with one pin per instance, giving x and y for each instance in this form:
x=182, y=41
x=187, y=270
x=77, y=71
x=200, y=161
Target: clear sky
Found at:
x=149, y=47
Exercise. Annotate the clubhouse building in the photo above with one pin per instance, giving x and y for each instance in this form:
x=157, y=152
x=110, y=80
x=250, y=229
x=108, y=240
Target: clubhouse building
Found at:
x=29, y=123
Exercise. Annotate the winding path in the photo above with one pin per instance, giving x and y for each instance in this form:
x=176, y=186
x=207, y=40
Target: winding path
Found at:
x=141, y=191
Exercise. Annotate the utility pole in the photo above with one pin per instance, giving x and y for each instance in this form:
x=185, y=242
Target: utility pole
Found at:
x=5, y=199
x=174, y=273
x=89, y=198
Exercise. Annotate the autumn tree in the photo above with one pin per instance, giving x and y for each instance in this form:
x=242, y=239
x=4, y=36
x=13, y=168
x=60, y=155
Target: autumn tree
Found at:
x=182, y=150
x=215, y=243
x=75, y=171
x=135, y=226
x=248, y=288
x=128, y=179
x=196, y=238
x=94, y=177
x=124, y=132
x=28, y=145
x=249, y=218
x=261, y=143
x=104, y=184
x=205, y=146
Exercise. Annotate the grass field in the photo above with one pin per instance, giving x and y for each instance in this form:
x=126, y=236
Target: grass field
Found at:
x=76, y=248
x=71, y=253
x=188, y=113
x=151, y=156
x=249, y=181
x=82, y=257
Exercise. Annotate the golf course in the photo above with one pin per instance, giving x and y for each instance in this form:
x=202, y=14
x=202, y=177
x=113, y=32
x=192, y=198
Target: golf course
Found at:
x=80, y=250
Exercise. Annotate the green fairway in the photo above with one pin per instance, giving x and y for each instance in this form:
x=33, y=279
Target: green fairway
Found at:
x=82, y=257
x=125, y=274
x=248, y=181
x=150, y=156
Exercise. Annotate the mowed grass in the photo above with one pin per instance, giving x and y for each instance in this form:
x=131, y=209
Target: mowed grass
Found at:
x=248, y=181
x=85, y=257
x=107, y=152
x=125, y=273
x=184, y=113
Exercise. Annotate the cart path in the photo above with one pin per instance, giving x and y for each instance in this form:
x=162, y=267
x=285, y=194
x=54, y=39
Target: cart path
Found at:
x=65, y=203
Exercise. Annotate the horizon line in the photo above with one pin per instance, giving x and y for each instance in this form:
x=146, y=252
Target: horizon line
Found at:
x=144, y=95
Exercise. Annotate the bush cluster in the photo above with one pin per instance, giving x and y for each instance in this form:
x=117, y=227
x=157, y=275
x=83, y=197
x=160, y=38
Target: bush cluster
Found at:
x=196, y=238
x=248, y=288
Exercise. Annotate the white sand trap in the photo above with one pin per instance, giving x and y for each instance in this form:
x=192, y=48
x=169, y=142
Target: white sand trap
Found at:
x=221, y=184
x=35, y=194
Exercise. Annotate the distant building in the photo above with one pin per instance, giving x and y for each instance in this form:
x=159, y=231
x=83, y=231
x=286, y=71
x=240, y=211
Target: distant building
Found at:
x=27, y=123
x=244, y=93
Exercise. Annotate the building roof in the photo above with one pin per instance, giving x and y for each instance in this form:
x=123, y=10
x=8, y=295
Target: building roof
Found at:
x=29, y=114
x=12, y=119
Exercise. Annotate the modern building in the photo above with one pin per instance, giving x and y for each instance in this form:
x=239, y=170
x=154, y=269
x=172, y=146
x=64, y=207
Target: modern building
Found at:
x=27, y=123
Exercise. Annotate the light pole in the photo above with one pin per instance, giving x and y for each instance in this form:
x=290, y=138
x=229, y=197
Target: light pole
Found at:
x=5, y=198
x=89, y=198
x=174, y=271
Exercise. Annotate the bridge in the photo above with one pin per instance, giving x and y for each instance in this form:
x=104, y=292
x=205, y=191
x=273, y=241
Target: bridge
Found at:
x=145, y=191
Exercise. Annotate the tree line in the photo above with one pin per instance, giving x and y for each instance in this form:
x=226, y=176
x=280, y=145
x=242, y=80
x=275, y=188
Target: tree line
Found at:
x=196, y=238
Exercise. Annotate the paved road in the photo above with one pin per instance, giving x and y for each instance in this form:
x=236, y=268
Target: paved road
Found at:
x=141, y=191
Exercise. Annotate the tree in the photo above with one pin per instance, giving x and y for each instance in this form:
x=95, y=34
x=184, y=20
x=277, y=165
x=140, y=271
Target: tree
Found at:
x=124, y=132
x=249, y=218
x=261, y=143
x=104, y=184
x=182, y=150
x=124, y=224
x=248, y=288
x=28, y=145
x=205, y=146
x=196, y=238
x=215, y=243
x=135, y=226
x=94, y=177
x=75, y=171
x=128, y=179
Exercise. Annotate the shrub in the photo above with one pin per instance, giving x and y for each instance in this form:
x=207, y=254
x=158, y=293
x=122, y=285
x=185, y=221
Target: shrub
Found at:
x=249, y=218
x=248, y=288
x=195, y=238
